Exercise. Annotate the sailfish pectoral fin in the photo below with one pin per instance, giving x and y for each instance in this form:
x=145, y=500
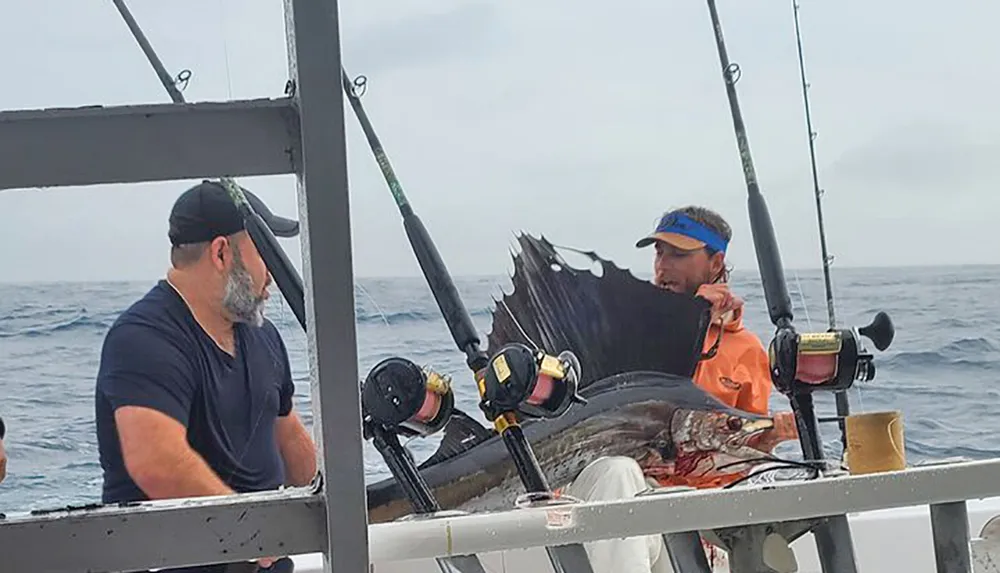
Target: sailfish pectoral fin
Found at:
x=462, y=433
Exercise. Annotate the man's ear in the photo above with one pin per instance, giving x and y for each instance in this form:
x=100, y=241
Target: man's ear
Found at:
x=219, y=253
x=718, y=263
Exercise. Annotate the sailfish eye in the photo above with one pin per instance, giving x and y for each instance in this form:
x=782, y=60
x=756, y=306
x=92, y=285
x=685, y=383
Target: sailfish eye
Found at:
x=735, y=424
x=665, y=449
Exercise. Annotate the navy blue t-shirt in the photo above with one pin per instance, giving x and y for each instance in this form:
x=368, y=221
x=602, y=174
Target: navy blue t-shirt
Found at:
x=156, y=355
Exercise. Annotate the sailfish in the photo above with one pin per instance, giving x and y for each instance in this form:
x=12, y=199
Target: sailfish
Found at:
x=638, y=348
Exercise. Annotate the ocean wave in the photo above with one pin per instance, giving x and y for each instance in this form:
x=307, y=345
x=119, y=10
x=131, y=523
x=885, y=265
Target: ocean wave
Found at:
x=974, y=352
x=43, y=322
x=53, y=321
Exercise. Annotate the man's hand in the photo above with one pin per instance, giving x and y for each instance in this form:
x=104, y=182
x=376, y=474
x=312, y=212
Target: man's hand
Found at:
x=721, y=298
x=785, y=426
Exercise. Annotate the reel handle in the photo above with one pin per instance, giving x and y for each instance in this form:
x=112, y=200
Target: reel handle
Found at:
x=880, y=331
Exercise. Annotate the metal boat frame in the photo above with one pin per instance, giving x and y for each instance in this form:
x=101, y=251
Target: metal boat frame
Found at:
x=304, y=133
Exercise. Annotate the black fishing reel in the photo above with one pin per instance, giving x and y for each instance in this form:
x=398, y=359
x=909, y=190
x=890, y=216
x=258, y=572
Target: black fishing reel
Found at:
x=531, y=383
x=826, y=361
x=406, y=399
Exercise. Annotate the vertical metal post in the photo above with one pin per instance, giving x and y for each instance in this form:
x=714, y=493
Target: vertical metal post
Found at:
x=835, y=545
x=950, y=527
x=312, y=29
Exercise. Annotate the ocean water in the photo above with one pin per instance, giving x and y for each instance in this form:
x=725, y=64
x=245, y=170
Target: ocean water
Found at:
x=942, y=371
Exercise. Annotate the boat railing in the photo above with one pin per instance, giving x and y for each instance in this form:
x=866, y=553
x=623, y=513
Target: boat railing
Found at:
x=293, y=522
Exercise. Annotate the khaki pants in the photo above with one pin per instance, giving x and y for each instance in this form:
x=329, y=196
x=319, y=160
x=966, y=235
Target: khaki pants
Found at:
x=614, y=478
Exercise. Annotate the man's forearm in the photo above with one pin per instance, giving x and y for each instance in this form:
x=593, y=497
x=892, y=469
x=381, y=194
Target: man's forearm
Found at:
x=188, y=475
x=297, y=450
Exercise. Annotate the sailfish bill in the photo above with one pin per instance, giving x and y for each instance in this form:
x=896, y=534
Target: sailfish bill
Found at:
x=638, y=346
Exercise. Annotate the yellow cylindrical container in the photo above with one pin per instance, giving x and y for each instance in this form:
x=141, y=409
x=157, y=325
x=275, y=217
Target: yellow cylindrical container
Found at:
x=875, y=442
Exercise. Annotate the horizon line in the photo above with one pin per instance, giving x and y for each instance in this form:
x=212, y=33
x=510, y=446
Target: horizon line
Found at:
x=754, y=273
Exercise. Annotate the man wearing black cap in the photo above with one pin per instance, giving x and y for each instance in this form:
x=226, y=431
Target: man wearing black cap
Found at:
x=194, y=390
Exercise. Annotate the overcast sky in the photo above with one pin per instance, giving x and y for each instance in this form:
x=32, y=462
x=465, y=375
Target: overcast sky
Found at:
x=581, y=120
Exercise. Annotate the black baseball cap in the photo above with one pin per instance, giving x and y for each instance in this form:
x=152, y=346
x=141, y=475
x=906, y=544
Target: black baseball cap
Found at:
x=206, y=211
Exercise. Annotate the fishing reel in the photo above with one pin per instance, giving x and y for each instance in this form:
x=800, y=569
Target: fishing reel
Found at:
x=406, y=399
x=531, y=383
x=826, y=361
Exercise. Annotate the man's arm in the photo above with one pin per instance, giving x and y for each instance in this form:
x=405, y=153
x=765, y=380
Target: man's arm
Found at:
x=158, y=458
x=297, y=450
x=294, y=442
x=150, y=383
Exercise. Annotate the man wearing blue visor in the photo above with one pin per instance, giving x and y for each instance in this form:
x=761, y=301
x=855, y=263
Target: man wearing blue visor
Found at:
x=690, y=258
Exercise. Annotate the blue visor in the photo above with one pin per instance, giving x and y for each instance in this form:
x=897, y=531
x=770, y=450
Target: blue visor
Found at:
x=680, y=224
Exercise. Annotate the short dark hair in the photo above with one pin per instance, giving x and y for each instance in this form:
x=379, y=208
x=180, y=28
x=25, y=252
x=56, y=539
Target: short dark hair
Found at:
x=188, y=254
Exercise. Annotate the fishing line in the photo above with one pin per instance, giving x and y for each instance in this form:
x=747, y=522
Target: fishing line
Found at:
x=225, y=48
x=802, y=297
x=518, y=325
x=807, y=464
x=378, y=308
x=765, y=471
x=842, y=402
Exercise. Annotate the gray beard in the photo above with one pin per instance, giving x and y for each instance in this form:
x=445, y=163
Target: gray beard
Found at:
x=239, y=300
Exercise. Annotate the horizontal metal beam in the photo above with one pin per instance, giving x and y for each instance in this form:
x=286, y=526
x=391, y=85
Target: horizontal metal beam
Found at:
x=172, y=533
x=293, y=522
x=123, y=144
x=684, y=511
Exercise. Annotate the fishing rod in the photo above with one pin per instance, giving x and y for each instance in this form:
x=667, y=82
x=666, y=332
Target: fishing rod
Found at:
x=801, y=363
x=398, y=397
x=839, y=353
x=843, y=404
x=516, y=379
x=827, y=259
x=289, y=283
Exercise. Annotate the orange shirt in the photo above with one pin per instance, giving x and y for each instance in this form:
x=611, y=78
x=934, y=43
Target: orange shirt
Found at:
x=739, y=374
